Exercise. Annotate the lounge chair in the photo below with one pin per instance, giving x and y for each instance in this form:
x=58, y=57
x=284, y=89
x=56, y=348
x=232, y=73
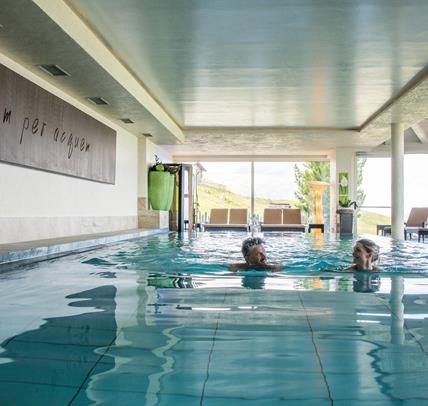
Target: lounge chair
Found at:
x=272, y=220
x=292, y=220
x=225, y=219
x=218, y=219
x=415, y=221
x=238, y=219
x=282, y=220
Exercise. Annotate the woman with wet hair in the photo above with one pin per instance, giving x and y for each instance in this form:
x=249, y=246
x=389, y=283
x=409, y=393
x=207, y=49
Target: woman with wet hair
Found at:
x=365, y=254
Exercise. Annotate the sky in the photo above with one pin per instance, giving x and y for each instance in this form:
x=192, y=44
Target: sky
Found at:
x=275, y=180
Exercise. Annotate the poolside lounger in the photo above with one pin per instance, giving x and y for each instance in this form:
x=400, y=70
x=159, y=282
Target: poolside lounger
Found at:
x=238, y=219
x=282, y=220
x=415, y=221
x=221, y=220
x=218, y=219
x=292, y=220
x=272, y=220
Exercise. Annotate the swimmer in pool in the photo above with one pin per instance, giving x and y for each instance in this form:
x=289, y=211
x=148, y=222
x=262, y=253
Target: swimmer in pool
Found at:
x=365, y=254
x=254, y=254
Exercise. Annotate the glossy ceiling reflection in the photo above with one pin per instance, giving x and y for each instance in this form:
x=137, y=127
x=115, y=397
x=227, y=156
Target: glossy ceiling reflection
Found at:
x=266, y=63
x=235, y=77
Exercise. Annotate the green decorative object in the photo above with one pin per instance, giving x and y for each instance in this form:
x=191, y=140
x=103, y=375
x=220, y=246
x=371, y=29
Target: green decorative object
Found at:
x=170, y=191
x=343, y=184
x=161, y=189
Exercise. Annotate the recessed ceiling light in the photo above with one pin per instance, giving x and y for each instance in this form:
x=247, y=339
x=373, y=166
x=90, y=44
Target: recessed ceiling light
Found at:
x=97, y=100
x=147, y=135
x=127, y=120
x=53, y=70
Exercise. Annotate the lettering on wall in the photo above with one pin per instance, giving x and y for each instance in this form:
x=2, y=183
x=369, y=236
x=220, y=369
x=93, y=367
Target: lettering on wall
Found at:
x=42, y=131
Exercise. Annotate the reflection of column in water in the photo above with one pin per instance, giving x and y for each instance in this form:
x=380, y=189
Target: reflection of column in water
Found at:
x=397, y=309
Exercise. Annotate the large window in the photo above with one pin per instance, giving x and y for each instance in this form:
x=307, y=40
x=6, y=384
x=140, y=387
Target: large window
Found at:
x=376, y=185
x=274, y=185
x=228, y=185
x=224, y=185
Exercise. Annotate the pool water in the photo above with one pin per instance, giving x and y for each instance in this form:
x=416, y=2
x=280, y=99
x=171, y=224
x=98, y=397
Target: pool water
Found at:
x=161, y=321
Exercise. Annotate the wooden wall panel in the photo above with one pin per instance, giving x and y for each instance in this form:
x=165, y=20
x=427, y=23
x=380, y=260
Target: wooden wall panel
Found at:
x=40, y=130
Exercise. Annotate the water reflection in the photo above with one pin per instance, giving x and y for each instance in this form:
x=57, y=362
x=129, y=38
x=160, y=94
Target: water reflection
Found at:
x=61, y=352
x=366, y=282
x=253, y=282
x=397, y=310
x=362, y=282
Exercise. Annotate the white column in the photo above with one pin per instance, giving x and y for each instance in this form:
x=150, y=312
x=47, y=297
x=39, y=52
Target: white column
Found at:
x=346, y=162
x=142, y=167
x=341, y=160
x=333, y=192
x=397, y=181
x=252, y=189
x=397, y=309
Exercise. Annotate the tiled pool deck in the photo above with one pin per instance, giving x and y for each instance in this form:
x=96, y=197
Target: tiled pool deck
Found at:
x=43, y=249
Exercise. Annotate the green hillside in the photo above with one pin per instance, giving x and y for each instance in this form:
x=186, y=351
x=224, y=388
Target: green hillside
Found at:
x=368, y=220
x=212, y=195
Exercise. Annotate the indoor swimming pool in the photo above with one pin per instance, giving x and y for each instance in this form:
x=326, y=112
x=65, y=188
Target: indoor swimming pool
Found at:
x=162, y=321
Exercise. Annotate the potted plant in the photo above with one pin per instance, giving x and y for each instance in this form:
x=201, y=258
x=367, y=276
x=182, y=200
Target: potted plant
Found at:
x=161, y=185
x=346, y=203
x=346, y=215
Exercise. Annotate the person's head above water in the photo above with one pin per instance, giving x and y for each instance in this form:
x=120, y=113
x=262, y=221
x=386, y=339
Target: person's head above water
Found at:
x=254, y=251
x=364, y=254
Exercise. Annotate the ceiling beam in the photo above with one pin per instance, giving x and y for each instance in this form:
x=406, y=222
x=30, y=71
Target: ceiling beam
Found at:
x=249, y=158
x=420, y=133
x=73, y=25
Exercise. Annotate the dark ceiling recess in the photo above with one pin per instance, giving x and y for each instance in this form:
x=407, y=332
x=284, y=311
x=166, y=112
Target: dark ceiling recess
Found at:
x=127, y=120
x=97, y=100
x=147, y=135
x=53, y=70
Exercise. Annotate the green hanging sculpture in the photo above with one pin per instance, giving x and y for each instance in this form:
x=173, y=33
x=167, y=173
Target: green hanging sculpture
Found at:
x=161, y=190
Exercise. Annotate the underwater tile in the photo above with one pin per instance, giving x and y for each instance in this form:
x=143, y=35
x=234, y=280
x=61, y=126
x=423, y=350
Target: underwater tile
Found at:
x=51, y=351
x=24, y=393
x=182, y=360
x=48, y=372
x=114, y=398
x=408, y=385
x=371, y=385
x=374, y=402
x=135, y=378
x=269, y=384
x=265, y=362
x=218, y=401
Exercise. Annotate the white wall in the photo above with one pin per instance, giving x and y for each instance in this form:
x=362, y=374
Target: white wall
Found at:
x=36, y=205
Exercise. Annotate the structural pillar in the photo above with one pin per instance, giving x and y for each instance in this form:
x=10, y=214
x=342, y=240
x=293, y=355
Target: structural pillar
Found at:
x=252, y=189
x=341, y=160
x=397, y=181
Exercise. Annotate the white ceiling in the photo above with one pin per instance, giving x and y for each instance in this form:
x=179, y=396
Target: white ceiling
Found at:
x=266, y=63
x=236, y=77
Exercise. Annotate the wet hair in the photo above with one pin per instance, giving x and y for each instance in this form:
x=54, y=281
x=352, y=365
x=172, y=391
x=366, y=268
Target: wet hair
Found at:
x=249, y=243
x=370, y=246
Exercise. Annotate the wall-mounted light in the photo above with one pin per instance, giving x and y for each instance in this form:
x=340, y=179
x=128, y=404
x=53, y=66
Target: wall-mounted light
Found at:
x=97, y=100
x=147, y=135
x=53, y=70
